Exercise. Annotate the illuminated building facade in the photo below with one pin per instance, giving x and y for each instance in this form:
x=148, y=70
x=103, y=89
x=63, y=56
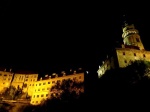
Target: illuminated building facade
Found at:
x=132, y=49
x=20, y=79
x=25, y=80
x=38, y=89
x=42, y=87
x=5, y=78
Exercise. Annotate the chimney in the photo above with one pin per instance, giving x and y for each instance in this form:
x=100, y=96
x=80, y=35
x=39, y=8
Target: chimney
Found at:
x=46, y=75
x=5, y=70
x=41, y=78
x=10, y=69
x=63, y=73
x=49, y=77
x=74, y=72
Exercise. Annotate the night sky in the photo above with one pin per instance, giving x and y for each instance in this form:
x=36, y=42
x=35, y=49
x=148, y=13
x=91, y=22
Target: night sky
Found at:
x=44, y=35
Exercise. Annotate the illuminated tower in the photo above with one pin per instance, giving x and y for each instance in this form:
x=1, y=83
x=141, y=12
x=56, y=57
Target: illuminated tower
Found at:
x=131, y=50
x=131, y=37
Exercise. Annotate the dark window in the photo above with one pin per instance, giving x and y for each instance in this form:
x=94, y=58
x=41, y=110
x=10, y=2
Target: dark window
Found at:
x=134, y=54
x=137, y=39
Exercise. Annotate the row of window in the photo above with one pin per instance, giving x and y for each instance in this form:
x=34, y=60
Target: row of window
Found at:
x=6, y=78
x=5, y=75
x=135, y=54
x=35, y=76
x=43, y=89
x=53, y=82
x=30, y=80
x=40, y=96
x=35, y=102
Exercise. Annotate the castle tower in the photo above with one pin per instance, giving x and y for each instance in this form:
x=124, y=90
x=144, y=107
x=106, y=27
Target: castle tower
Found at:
x=131, y=37
x=131, y=50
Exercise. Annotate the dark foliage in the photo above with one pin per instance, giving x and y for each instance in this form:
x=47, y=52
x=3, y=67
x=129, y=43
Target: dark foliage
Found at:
x=125, y=87
x=68, y=98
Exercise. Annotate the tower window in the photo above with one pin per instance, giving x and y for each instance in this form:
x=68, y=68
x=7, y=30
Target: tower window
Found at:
x=134, y=54
x=137, y=39
x=123, y=53
x=144, y=55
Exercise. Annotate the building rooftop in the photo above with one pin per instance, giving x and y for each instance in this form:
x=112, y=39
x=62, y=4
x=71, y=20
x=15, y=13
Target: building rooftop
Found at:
x=5, y=69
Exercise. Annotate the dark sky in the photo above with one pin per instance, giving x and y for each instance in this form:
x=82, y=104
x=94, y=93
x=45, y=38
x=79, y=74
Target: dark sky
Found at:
x=58, y=35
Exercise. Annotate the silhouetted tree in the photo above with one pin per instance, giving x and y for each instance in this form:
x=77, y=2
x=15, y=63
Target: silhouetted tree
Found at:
x=67, y=95
x=12, y=93
x=68, y=90
x=130, y=84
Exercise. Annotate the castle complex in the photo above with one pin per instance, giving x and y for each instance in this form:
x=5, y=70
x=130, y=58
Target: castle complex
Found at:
x=132, y=49
x=37, y=88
